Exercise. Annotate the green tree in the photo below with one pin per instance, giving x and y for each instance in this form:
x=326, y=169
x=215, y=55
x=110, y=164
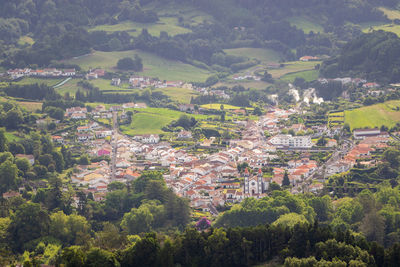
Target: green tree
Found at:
x=144, y=253
x=373, y=226
x=29, y=222
x=69, y=229
x=99, y=257
x=110, y=237
x=8, y=176
x=322, y=141
x=22, y=164
x=137, y=221
x=84, y=160
x=286, y=181
x=73, y=256
x=13, y=119
x=3, y=141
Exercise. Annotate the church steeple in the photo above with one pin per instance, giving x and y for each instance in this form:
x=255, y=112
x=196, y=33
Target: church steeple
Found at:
x=259, y=181
x=246, y=181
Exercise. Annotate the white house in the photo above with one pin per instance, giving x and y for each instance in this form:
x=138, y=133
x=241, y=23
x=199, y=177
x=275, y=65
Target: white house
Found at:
x=288, y=140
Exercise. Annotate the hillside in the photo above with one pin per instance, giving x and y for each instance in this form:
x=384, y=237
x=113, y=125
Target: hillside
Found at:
x=373, y=56
x=383, y=114
x=180, y=30
x=154, y=66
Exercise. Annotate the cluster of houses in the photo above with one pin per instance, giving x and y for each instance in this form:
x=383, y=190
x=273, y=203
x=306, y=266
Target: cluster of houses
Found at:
x=145, y=82
x=95, y=74
x=211, y=180
x=212, y=91
x=44, y=73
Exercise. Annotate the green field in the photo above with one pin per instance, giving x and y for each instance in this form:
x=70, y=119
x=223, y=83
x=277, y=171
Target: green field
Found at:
x=11, y=137
x=182, y=95
x=154, y=66
x=390, y=13
x=262, y=54
x=305, y=24
x=166, y=24
x=258, y=85
x=30, y=105
x=218, y=106
x=191, y=15
x=30, y=80
x=387, y=27
x=308, y=76
x=69, y=87
x=293, y=67
x=374, y=116
x=152, y=120
x=23, y=40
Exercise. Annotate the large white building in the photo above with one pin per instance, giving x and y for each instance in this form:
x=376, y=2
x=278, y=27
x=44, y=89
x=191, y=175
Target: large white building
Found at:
x=288, y=140
x=362, y=133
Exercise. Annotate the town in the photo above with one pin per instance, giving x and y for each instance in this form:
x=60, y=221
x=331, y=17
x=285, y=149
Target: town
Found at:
x=267, y=154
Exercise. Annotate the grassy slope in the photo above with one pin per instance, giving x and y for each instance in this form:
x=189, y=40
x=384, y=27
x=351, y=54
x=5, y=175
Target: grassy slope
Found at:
x=374, y=116
x=30, y=80
x=182, y=95
x=292, y=67
x=392, y=15
x=23, y=40
x=70, y=87
x=305, y=24
x=166, y=24
x=218, y=106
x=154, y=66
x=264, y=55
x=308, y=75
x=152, y=120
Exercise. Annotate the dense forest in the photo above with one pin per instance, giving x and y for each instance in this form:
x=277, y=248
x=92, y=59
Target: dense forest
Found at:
x=60, y=29
x=373, y=56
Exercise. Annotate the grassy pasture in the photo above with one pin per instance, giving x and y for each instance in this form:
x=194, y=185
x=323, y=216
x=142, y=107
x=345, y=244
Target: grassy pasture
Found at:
x=387, y=27
x=374, y=116
x=390, y=13
x=30, y=105
x=258, y=85
x=152, y=120
x=308, y=75
x=23, y=40
x=166, y=24
x=31, y=80
x=264, y=55
x=154, y=66
x=70, y=87
x=305, y=24
x=218, y=106
x=293, y=67
x=182, y=95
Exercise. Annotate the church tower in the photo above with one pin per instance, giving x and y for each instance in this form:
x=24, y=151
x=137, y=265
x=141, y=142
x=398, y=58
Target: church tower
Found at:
x=246, y=181
x=260, y=181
